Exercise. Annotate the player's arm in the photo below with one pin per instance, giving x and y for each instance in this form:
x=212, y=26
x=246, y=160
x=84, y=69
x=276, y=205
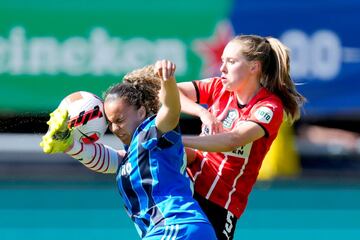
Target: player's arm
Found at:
x=169, y=113
x=189, y=100
x=189, y=105
x=243, y=134
x=59, y=139
x=96, y=156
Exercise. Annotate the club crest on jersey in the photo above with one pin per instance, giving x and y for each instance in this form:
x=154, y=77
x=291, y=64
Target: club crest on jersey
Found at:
x=230, y=118
x=264, y=114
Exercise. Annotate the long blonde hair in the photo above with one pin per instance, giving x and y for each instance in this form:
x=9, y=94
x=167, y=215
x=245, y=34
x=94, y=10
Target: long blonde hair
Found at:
x=275, y=75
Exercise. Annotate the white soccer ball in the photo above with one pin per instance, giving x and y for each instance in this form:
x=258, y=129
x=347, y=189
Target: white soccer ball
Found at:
x=86, y=116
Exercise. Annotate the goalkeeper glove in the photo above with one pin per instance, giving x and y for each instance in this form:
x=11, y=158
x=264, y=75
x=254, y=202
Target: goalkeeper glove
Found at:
x=58, y=137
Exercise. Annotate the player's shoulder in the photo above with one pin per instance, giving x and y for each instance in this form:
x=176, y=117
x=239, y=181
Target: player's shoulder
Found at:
x=266, y=97
x=213, y=81
x=267, y=107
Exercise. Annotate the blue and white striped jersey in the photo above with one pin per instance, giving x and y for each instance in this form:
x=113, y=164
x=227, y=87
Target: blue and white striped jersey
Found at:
x=153, y=182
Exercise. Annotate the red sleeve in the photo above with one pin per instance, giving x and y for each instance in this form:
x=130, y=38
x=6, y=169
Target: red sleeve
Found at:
x=268, y=114
x=207, y=90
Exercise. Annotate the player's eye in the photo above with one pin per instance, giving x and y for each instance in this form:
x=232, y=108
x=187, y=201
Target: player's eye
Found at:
x=120, y=120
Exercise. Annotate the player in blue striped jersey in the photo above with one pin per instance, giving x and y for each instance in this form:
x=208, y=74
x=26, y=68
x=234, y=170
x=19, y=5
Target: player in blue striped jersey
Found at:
x=150, y=173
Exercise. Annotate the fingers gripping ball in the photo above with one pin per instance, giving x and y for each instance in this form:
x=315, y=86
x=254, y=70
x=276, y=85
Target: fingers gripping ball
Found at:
x=86, y=116
x=58, y=137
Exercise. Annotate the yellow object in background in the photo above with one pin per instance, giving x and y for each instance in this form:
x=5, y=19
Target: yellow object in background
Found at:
x=282, y=160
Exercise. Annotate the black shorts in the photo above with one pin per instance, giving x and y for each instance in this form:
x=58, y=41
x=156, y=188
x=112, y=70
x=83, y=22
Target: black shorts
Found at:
x=223, y=221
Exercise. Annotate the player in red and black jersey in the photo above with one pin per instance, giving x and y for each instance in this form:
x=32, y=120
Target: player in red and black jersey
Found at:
x=245, y=108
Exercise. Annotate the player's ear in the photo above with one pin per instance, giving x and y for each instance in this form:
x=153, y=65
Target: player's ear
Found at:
x=142, y=112
x=255, y=66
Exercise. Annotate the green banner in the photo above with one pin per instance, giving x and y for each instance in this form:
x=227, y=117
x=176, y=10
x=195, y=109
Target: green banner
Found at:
x=49, y=49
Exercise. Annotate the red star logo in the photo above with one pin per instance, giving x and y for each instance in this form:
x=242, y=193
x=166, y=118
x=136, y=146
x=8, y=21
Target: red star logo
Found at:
x=210, y=50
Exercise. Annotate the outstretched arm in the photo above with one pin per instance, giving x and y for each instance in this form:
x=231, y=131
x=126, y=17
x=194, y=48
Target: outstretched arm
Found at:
x=243, y=134
x=189, y=106
x=188, y=99
x=169, y=113
x=95, y=156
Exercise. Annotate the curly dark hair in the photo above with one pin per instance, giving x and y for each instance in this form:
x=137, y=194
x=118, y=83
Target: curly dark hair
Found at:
x=138, y=88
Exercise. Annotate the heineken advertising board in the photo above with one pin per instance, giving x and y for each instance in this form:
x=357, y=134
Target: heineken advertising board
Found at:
x=49, y=49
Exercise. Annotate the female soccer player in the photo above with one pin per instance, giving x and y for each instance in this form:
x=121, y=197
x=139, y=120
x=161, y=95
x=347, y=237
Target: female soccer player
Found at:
x=151, y=172
x=245, y=108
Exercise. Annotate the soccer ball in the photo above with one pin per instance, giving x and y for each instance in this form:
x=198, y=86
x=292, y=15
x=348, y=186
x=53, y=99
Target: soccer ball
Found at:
x=86, y=116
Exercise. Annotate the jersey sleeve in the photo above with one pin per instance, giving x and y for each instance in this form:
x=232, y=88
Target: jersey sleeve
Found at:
x=170, y=138
x=152, y=138
x=207, y=90
x=269, y=115
x=96, y=156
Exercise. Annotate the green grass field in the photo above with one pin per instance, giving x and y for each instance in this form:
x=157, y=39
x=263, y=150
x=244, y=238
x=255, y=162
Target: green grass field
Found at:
x=71, y=210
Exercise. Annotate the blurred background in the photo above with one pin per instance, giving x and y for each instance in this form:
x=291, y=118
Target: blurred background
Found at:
x=309, y=185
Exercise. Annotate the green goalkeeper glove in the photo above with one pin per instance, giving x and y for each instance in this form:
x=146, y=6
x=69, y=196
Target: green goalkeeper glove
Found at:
x=58, y=137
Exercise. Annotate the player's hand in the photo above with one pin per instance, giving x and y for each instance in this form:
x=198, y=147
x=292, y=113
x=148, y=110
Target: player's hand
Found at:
x=165, y=69
x=211, y=125
x=58, y=137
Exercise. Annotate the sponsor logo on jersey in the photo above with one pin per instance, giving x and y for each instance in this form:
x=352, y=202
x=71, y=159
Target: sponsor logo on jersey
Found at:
x=126, y=169
x=242, y=151
x=264, y=114
x=230, y=118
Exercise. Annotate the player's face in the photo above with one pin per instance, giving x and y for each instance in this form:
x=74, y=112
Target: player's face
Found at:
x=235, y=69
x=123, y=118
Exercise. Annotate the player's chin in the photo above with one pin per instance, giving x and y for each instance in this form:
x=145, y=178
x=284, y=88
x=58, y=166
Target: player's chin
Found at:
x=225, y=83
x=124, y=138
x=229, y=87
